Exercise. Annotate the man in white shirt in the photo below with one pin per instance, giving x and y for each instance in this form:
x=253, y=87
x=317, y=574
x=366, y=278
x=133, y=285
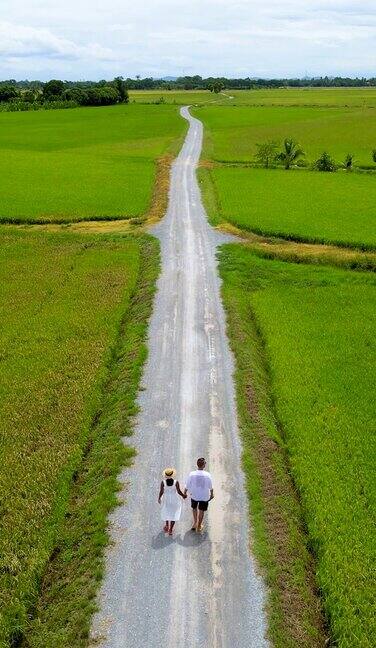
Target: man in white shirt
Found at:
x=199, y=484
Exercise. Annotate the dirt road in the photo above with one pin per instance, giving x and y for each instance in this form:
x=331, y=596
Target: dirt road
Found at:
x=193, y=589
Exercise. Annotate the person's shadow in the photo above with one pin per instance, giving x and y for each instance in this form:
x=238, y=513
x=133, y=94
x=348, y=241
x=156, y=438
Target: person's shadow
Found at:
x=190, y=539
x=193, y=539
x=161, y=541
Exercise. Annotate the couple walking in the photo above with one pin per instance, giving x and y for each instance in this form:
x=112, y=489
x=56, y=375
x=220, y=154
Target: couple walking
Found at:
x=200, y=487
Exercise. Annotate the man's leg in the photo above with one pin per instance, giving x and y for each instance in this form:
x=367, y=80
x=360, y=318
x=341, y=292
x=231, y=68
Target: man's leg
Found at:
x=200, y=519
x=194, y=513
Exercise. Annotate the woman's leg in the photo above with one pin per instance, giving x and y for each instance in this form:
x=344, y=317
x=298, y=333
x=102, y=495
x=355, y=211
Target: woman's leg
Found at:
x=165, y=528
x=172, y=524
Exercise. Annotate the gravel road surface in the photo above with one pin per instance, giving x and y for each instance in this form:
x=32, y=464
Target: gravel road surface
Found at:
x=193, y=589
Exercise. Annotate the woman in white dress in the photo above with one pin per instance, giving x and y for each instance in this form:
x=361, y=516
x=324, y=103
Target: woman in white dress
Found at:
x=169, y=495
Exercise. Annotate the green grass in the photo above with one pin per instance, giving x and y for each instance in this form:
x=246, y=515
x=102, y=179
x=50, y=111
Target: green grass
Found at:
x=62, y=614
x=316, y=334
x=302, y=205
x=179, y=97
x=356, y=97
x=55, y=361
x=85, y=163
x=360, y=97
x=232, y=132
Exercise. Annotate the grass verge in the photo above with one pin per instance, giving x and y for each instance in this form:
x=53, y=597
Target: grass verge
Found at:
x=279, y=540
x=303, y=339
x=62, y=614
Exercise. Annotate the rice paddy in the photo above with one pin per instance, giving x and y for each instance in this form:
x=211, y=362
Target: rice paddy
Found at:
x=232, y=132
x=87, y=163
x=317, y=332
x=62, y=300
x=301, y=205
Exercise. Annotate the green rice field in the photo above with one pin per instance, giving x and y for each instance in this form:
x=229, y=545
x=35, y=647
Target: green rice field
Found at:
x=232, y=132
x=86, y=163
x=179, y=97
x=306, y=205
x=74, y=312
x=317, y=327
x=360, y=97
x=353, y=97
x=54, y=350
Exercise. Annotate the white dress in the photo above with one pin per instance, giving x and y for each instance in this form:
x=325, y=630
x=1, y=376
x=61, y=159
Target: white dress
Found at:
x=171, y=503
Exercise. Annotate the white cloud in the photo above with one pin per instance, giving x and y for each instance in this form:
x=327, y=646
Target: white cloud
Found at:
x=20, y=41
x=84, y=38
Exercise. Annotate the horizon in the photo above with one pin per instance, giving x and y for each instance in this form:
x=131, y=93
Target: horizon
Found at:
x=173, y=78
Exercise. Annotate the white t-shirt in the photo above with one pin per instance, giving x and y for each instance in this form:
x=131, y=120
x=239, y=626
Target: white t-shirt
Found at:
x=199, y=484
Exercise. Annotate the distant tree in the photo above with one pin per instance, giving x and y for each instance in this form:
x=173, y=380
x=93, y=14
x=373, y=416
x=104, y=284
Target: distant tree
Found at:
x=349, y=161
x=121, y=87
x=213, y=86
x=374, y=155
x=29, y=96
x=103, y=96
x=53, y=89
x=218, y=87
x=290, y=153
x=8, y=92
x=76, y=94
x=266, y=153
x=325, y=163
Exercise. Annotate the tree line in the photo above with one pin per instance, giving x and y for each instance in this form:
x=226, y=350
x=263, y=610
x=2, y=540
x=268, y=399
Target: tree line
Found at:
x=102, y=93
x=197, y=82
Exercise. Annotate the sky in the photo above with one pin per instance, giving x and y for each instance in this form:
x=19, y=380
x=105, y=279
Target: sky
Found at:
x=100, y=39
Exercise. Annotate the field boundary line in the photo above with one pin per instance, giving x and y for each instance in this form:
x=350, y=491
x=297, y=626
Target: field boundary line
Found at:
x=288, y=250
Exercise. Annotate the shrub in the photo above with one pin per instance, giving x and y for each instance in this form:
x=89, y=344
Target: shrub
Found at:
x=349, y=161
x=76, y=94
x=325, y=163
x=266, y=153
x=102, y=96
x=25, y=106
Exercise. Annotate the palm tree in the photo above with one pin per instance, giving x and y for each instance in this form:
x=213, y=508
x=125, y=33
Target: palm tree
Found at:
x=291, y=153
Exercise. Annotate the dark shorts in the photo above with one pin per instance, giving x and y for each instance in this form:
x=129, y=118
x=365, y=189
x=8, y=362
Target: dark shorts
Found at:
x=202, y=506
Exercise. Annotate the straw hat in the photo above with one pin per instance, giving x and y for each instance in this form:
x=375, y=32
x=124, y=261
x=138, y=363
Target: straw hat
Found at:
x=169, y=473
